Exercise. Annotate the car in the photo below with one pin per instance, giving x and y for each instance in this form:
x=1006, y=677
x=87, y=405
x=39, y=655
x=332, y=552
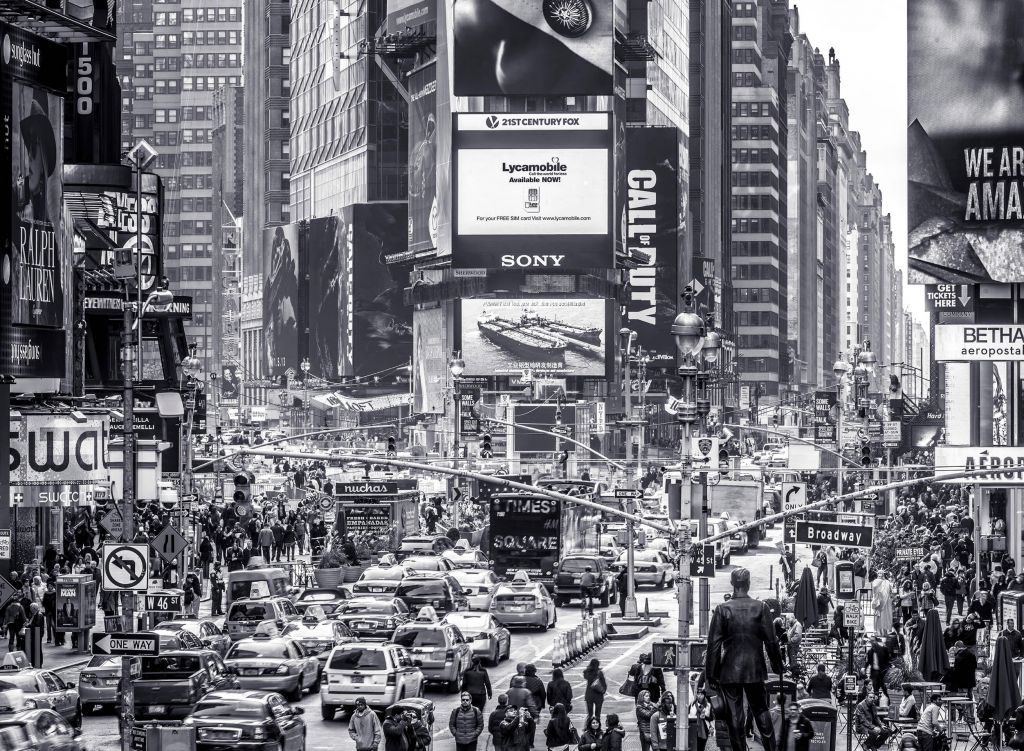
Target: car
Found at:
x=523, y=603
x=371, y=617
x=442, y=650
x=660, y=543
x=43, y=689
x=99, y=683
x=427, y=563
x=462, y=558
x=245, y=616
x=250, y=720
x=738, y=540
x=380, y=673
x=569, y=577
x=177, y=638
x=425, y=544
x=274, y=663
x=488, y=638
x=205, y=629
x=651, y=567
x=439, y=590
x=171, y=683
x=318, y=636
x=326, y=598
x=380, y=580
x=38, y=730
x=477, y=585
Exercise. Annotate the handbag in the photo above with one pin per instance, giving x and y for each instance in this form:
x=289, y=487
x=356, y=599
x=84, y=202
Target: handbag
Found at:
x=629, y=687
x=599, y=684
x=574, y=734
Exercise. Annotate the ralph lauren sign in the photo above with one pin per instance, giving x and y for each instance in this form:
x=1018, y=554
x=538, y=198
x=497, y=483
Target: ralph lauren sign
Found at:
x=58, y=450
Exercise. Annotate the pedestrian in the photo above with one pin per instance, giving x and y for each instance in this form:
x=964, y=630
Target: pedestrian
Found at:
x=477, y=683
x=613, y=734
x=466, y=723
x=50, y=611
x=645, y=709
x=559, y=690
x=820, y=685
x=535, y=686
x=289, y=542
x=622, y=584
x=520, y=697
x=216, y=591
x=592, y=735
x=35, y=626
x=597, y=687
x=520, y=671
x=796, y=730
x=14, y=622
x=878, y=661
x=588, y=588
x=518, y=728
x=929, y=728
x=663, y=722
x=868, y=724
x=364, y=727
x=560, y=735
x=646, y=676
x=494, y=721
x=266, y=542
x=206, y=555
x=394, y=729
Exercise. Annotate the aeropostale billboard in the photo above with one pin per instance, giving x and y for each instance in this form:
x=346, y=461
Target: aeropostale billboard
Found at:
x=532, y=191
x=979, y=342
x=952, y=459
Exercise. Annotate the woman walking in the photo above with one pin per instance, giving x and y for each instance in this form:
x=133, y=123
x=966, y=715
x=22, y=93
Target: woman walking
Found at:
x=559, y=733
x=645, y=709
x=663, y=722
x=592, y=735
x=597, y=687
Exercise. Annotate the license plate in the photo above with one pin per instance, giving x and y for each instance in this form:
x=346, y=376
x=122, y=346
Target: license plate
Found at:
x=517, y=609
x=362, y=625
x=376, y=589
x=250, y=671
x=357, y=679
x=158, y=709
x=112, y=681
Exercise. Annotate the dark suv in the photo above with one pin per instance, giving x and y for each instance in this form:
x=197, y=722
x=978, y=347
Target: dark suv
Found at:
x=438, y=590
x=569, y=577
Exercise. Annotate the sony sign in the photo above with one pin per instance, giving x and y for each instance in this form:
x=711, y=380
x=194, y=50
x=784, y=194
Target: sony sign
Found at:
x=1008, y=459
x=49, y=449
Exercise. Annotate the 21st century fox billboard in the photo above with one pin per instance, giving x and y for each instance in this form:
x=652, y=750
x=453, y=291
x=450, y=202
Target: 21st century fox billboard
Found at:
x=532, y=191
x=965, y=142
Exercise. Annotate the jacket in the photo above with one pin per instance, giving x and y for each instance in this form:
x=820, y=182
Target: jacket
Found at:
x=476, y=681
x=266, y=538
x=866, y=718
x=591, y=741
x=653, y=681
x=466, y=725
x=520, y=696
x=560, y=692
x=365, y=729
x=881, y=654
x=963, y=673
x=494, y=720
x=659, y=731
x=644, y=712
x=558, y=733
x=740, y=629
x=612, y=740
x=804, y=734
x=535, y=686
x=518, y=733
x=394, y=735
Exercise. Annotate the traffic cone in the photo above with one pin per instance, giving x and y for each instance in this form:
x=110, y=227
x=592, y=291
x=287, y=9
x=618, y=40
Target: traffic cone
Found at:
x=647, y=608
x=558, y=652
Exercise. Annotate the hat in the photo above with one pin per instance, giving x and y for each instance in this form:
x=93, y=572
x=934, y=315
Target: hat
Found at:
x=36, y=128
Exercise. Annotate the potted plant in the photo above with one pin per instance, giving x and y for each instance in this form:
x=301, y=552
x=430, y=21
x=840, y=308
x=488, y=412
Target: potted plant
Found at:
x=330, y=571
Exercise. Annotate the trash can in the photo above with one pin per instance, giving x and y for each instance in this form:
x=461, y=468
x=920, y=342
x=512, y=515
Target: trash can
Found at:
x=824, y=719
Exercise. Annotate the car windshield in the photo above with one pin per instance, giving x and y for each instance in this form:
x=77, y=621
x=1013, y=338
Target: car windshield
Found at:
x=269, y=649
x=247, y=611
x=26, y=683
x=104, y=661
x=472, y=577
x=434, y=589
x=469, y=624
x=233, y=709
x=576, y=565
x=394, y=573
x=416, y=543
x=411, y=636
x=357, y=658
x=170, y=666
x=367, y=606
x=424, y=563
x=308, y=598
x=191, y=626
x=642, y=555
x=306, y=631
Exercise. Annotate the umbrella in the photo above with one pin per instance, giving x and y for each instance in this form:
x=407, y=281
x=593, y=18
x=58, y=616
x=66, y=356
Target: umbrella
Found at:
x=933, y=662
x=1003, y=691
x=806, y=606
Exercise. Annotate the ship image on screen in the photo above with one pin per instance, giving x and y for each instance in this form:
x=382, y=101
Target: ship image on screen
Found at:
x=562, y=336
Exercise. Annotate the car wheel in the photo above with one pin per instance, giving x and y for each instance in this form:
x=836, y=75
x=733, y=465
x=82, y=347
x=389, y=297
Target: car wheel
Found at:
x=296, y=693
x=76, y=722
x=554, y=617
x=419, y=691
x=327, y=712
x=315, y=688
x=495, y=658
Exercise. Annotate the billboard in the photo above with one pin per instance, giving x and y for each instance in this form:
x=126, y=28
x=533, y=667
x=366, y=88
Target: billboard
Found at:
x=49, y=449
x=430, y=361
x=824, y=420
x=230, y=385
x=965, y=141
x=409, y=14
x=382, y=321
x=281, y=299
x=328, y=248
x=102, y=201
x=532, y=191
x=533, y=47
x=649, y=224
x=545, y=336
x=92, y=105
x=36, y=261
x=423, y=159
x=979, y=342
x=542, y=417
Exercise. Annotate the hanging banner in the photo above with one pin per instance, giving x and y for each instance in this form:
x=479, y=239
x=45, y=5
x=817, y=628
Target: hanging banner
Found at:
x=824, y=419
x=423, y=159
x=979, y=343
x=50, y=449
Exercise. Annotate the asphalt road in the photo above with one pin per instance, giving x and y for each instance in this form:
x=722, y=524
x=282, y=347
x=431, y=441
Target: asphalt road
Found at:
x=100, y=732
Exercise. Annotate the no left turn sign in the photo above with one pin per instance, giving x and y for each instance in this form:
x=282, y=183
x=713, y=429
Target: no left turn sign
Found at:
x=126, y=568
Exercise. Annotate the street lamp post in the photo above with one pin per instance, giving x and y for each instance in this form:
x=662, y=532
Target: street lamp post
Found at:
x=688, y=331
x=710, y=350
x=304, y=365
x=840, y=369
x=456, y=366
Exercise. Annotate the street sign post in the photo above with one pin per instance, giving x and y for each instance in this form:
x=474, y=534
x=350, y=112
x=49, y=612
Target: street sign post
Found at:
x=169, y=543
x=629, y=493
x=113, y=522
x=5, y=544
x=839, y=535
x=703, y=561
x=7, y=591
x=851, y=613
x=949, y=297
x=794, y=495
x=162, y=603
x=126, y=644
x=125, y=568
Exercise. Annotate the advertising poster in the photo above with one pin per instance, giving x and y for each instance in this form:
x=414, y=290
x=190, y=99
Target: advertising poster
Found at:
x=281, y=298
x=533, y=47
x=649, y=227
x=410, y=14
x=370, y=519
x=92, y=105
x=382, y=322
x=824, y=417
x=551, y=337
x=230, y=385
x=543, y=417
x=532, y=191
x=965, y=145
x=102, y=200
x=423, y=159
x=430, y=361
x=52, y=450
x=36, y=263
x=328, y=246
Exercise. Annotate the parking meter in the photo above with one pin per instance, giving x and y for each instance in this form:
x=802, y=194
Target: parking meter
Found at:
x=846, y=588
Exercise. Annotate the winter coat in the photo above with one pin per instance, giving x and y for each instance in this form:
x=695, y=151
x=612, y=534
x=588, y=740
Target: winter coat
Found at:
x=477, y=682
x=466, y=725
x=558, y=732
x=394, y=735
x=520, y=696
x=560, y=692
x=494, y=720
x=535, y=686
x=519, y=733
x=612, y=740
x=365, y=729
x=591, y=741
x=644, y=712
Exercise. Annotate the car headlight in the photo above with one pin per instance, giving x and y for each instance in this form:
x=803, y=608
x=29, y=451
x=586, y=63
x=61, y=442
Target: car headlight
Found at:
x=30, y=704
x=284, y=669
x=259, y=733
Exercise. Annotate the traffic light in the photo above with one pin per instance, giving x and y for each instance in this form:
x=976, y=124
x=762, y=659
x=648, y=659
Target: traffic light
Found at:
x=392, y=447
x=865, y=454
x=242, y=496
x=563, y=458
x=775, y=417
x=486, y=450
x=724, y=460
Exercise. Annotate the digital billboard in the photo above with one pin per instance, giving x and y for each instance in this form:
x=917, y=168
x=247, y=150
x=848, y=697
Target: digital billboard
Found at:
x=230, y=384
x=649, y=225
x=965, y=145
x=542, y=417
x=423, y=209
x=532, y=191
x=558, y=337
x=36, y=262
x=410, y=14
x=328, y=248
x=281, y=299
x=382, y=321
x=430, y=360
x=533, y=47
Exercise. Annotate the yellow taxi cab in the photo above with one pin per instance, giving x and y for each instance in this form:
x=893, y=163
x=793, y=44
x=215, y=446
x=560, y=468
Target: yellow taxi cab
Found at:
x=246, y=617
x=42, y=689
x=525, y=603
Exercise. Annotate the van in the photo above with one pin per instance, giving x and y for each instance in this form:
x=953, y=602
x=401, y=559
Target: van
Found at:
x=252, y=584
x=267, y=615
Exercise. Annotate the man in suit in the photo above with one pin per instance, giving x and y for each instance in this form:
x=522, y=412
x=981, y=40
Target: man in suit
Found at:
x=741, y=632
x=868, y=723
x=878, y=660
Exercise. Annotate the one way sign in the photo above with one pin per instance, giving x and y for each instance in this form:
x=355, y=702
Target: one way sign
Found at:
x=141, y=643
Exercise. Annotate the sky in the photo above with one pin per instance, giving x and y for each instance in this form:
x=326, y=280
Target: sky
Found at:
x=870, y=39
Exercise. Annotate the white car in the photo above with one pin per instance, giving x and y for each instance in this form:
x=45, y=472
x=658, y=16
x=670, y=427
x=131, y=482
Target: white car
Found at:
x=478, y=585
x=650, y=567
x=381, y=673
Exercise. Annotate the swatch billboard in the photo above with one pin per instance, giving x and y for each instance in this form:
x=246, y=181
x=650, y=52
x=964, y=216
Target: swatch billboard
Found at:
x=36, y=264
x=281, y=312
x=533, y=47
x=532, y=191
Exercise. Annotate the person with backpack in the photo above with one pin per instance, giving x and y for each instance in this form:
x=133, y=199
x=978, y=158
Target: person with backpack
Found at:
x=466, y=723
x=560, y=735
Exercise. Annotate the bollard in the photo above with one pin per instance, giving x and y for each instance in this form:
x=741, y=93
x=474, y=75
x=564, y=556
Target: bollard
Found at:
x=603, y=628
x=594, y=640
x=580, y=649
x=588, y=641
x=570, y=650
x=558, y=652
x=647, y=608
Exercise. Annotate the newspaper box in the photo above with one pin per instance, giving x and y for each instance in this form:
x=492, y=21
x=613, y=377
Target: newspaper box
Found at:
x=76, y=602
x=163, y=738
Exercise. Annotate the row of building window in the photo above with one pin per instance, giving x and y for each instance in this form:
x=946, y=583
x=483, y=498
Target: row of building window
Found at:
x=754, y=249
x=746, y=56
x=208, y=83
x=200, y=38
x=760, y=271
x=753, y=109
x=754, y=156
x=757, y=318
x=747, y=79
x=212, y=60
x=756, y=294
x=755, y=179
x=755, y=226
x=192, y=250
x=190, y=274
x=754, y=133
x=758, y=341
x=185, y=159
x=755, y=202
x=201, y=204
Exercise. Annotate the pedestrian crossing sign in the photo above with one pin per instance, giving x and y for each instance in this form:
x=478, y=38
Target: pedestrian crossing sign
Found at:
x=664, y=654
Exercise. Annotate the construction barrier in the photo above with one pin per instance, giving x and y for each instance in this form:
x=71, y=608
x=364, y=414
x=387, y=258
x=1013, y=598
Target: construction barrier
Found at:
x=572, y=644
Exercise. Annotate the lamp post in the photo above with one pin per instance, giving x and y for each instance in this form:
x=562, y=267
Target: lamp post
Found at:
x=710, y=350
x=840, y=368
x=304, y=365
x=688, y=331
x=456, y=366
x=191, y=370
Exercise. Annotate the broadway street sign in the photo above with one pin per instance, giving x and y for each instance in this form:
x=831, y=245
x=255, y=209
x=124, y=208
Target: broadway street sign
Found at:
x=839, y=535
